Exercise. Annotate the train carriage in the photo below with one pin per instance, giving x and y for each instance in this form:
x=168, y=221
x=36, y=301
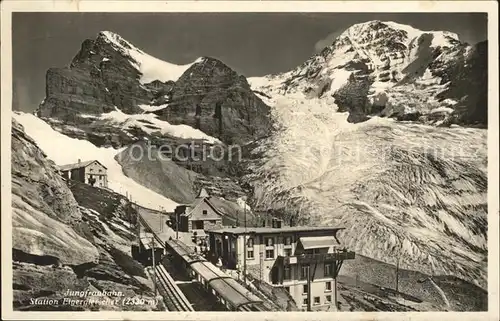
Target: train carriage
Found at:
x=227, y=290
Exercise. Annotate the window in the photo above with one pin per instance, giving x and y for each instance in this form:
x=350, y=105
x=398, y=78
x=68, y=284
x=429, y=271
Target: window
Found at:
x=91, y=176
x=328, y=286
x=304, y=302
x=205, y=212
x=91, y=169
x=288, y=240
x=250, y=242
x=269, y=241
x=287, y=273
x=316, y=300
x=303, y=271
x=269, y=254
x=288, y=252
x=328, y=299
x=305, y=288
x=250, y=254
x=100, y=170
x=328, y=269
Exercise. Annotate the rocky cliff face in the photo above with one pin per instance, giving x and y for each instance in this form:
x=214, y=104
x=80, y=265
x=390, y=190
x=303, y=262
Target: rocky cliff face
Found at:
x=110, y=74
x=393, y=70
x=45, y=214
x=470, y=75
x=62, y=245
x=212, y=97
x=98, y=78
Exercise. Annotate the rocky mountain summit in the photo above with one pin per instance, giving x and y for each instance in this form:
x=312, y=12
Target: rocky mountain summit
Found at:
x=212, y=97
x=393, y=70
x=110, y=74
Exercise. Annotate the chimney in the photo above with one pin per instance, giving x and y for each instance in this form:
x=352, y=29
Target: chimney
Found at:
x=79, y=161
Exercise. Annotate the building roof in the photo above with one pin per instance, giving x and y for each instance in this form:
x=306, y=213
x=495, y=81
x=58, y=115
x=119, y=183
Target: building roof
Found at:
x=317, y=242
x=203, y=193
x=79, y=165
x=193, y=208
x=146, y=239
x=272, y=230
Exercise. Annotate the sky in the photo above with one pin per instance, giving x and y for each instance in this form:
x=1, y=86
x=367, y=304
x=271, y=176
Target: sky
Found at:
x=253, y=44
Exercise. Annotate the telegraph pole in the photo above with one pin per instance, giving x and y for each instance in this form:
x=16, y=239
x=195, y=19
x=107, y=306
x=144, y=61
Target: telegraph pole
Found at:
x=245, y=246
x=154, y=263
x=161, y=214
x=261, y=258
x=397, y=275
x=309, y=303
x=177, y=226
x=335, y=288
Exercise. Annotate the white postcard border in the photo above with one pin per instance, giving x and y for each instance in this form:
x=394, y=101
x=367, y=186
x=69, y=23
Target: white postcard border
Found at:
x=490, y=7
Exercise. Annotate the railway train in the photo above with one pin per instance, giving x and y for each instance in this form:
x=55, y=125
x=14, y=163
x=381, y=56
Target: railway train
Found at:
x=227, y=290
x=234, y=296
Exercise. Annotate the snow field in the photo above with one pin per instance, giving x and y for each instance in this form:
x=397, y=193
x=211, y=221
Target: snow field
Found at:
x=65, y=150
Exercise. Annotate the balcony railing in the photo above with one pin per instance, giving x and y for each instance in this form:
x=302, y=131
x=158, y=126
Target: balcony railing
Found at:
x=312, y=258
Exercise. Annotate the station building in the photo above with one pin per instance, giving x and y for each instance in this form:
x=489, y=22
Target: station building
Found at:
x=303, y=260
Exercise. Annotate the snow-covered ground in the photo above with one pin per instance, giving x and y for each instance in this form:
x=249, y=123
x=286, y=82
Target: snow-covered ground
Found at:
x=151, y=68
x=151, y=124
x=65, y=150
x=150, y=108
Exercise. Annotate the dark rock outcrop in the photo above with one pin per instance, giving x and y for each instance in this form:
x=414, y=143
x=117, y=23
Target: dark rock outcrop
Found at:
x=98, y=78
x=212, y=97
x=470, y=76
x=352, y=97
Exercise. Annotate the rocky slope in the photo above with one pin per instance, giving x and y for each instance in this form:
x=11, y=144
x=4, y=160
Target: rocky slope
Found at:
x=393, y=70
x=180, y=183
x=110, y=74
x=45, y=214
x=59, y=245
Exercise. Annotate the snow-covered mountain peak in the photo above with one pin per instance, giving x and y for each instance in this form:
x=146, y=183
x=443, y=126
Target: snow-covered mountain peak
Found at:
x=380, y=68
x=375, y=30
x=116, y=40
x=150, y=67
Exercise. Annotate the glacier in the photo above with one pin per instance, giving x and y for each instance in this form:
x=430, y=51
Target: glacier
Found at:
x=401, y=190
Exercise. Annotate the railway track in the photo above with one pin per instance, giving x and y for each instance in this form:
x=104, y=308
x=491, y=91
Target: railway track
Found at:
x=173, y=296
